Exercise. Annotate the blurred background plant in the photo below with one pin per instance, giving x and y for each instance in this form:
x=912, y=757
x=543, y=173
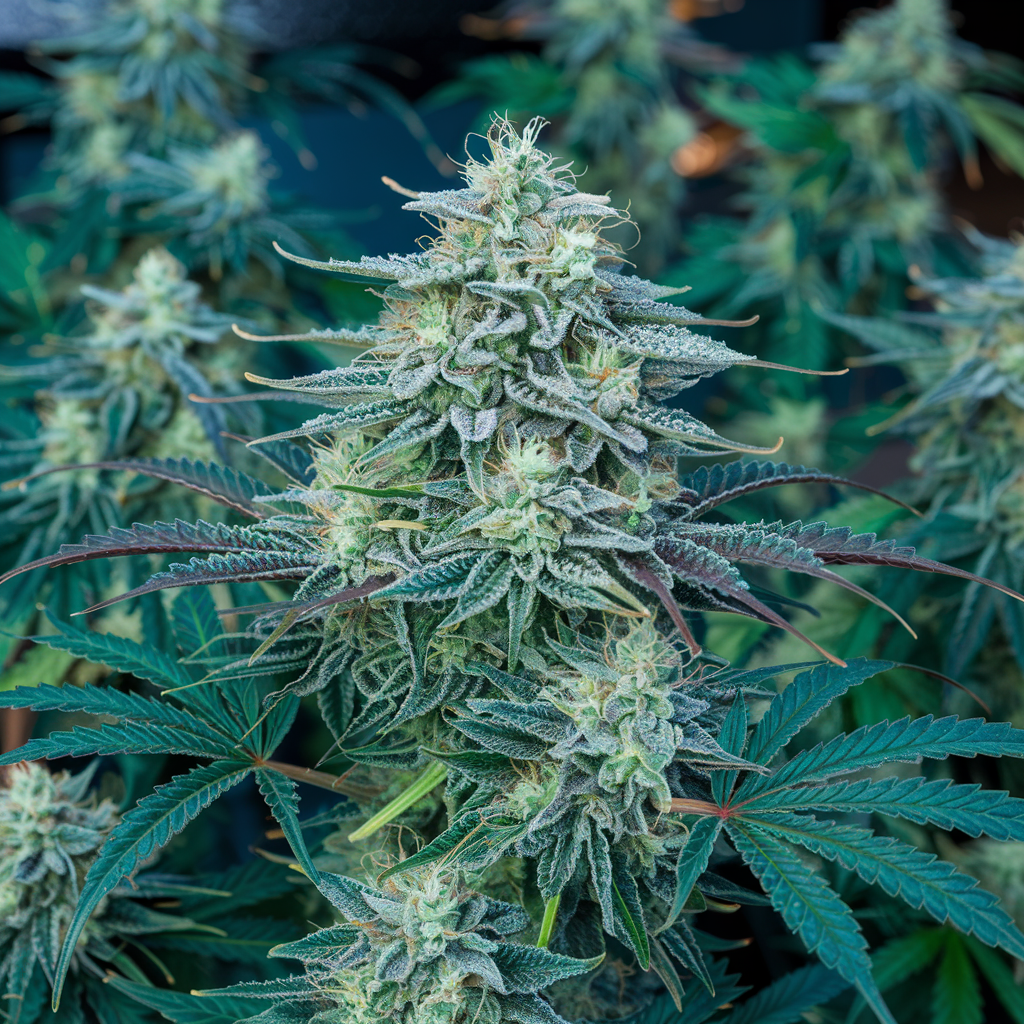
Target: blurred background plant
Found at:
x=963, y=410
x=144, y=108
x=51, y=829
x=115, y=390
x=842, y=162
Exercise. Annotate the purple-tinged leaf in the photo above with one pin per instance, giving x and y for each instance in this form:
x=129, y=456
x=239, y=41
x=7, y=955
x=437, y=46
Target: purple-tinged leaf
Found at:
x=160, y=538
x=704, y=569
x=841, y=546
x=248, y=567
x=710, y=486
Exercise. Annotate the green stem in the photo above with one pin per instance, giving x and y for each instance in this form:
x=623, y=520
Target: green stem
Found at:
x=335, y=783
x=434, y=775
x=547, y=926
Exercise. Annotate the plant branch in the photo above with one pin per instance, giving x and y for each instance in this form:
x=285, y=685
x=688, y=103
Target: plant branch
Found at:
x=324, y=780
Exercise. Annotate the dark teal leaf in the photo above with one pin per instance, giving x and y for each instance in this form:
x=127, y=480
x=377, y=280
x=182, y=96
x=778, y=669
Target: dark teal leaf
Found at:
x=143, y=830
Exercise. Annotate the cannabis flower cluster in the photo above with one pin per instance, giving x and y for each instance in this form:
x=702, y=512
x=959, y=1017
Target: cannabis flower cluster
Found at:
x=142, y=75
x=423, y=948
x=50, y=833
x=844, y=194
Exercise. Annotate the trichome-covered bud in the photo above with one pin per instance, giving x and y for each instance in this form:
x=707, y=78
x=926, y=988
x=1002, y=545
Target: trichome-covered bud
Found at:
x=216, y=200
x=517, y=316
x=50, y=833
x=423, y=948
x=592, y=737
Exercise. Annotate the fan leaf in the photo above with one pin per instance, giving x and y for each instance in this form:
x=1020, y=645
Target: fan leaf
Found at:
x=143, y=830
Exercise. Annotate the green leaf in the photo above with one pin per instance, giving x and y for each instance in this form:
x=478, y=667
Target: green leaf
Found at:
x=1007, y=989
x=143, y=830
x=966, y=807
x=710, y=486
x=319, y=946
x=812, y=909
x=956, y=998
x=293, y=987
x=699, y=1004
x=21, y=968
x=805, y=698
x=187, y=1008
x=226, y=486
x=999, y=123
x=664, y=966
x=629, y=916
x=529, y=969
x=39, y=665
x=248, y=940
x=128, y=708
x=921, y=879
x=470, y=841
x=683, y=945
x=439, y=581
x=143, y=662
x=732, y=739
x=884, y=334
x=235, y=567
x=692, y=863
x=94, y=700
x=906, y=956
x=787, y=1000
x=486, y=585
x=281, y=794
x=194, y=620
x=130, y=738
x=160, y=538
x=413, y=491
x=873, y=745
x=520, y=600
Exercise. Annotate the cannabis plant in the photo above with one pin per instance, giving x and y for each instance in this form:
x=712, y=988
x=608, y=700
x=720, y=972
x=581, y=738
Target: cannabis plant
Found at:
x=950, y=967
x=51, y=832
x=143, y=77
x=965, y=369
x=425, y=948
x=842, y=190
x=491, y=560
x=496, y=456
x=145, y=105
x=607, y=79
x=761, y=808
x=418, y=943
x=213, y=205
x=81, y=406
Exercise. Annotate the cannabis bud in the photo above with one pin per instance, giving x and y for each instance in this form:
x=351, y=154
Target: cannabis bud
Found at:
x=50, y=833
x=423, y=949
x=517, y=315
x=138, y=355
